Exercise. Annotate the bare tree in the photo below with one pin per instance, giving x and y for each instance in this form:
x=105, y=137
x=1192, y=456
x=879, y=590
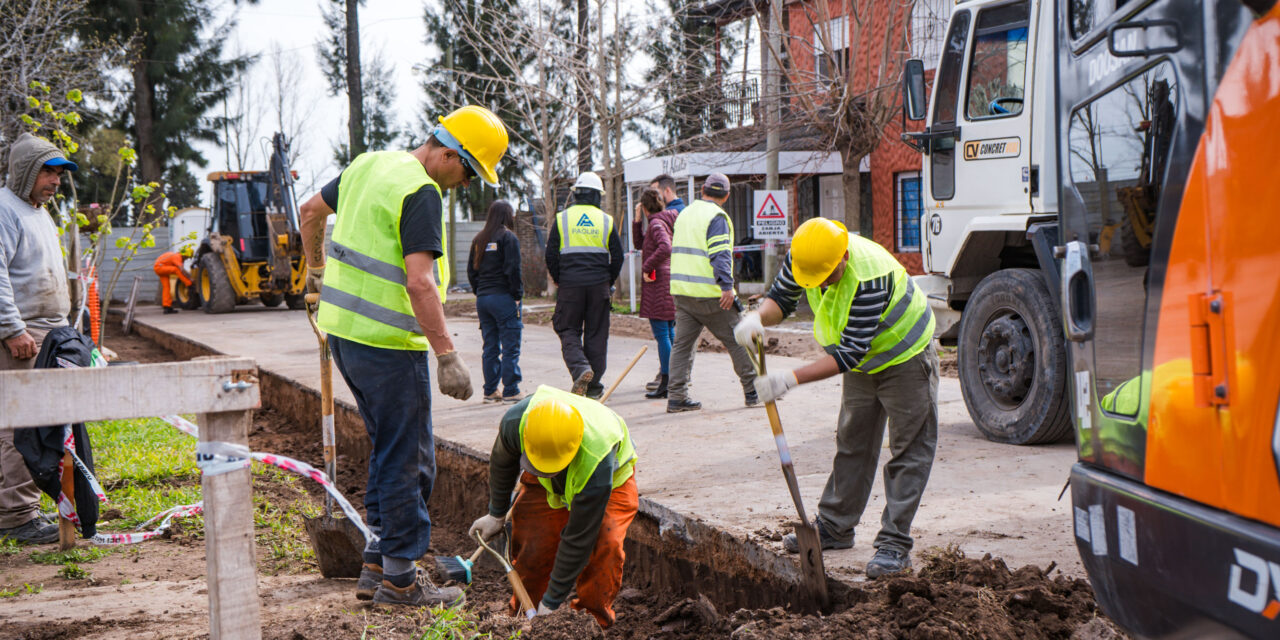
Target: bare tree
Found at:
x=292, y=110
x=245, y=111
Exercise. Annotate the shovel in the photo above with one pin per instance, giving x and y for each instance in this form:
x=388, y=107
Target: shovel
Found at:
x=337, y=542
x=811, y=569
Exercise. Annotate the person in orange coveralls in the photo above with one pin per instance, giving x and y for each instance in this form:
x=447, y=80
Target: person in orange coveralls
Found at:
x=167, y=265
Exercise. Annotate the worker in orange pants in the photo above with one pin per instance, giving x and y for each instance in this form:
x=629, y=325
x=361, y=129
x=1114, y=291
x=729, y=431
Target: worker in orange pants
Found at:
x=576, y=466
x=169, y=264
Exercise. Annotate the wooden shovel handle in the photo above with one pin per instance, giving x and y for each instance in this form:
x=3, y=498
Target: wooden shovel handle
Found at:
x=604, y=398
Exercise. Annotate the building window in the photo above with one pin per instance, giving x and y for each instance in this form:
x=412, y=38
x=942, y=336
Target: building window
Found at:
x=907, y=209
x=831, y=49
x=928, y=30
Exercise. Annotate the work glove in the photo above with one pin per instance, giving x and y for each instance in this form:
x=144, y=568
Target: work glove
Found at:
x=774, y=385
x=543, y=609
x=748, y=328
x=455, y=379
x=486, y=525
x=315, y=277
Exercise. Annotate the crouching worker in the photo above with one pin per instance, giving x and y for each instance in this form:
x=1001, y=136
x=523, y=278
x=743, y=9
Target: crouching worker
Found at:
x=169, y=266
x=576, y=464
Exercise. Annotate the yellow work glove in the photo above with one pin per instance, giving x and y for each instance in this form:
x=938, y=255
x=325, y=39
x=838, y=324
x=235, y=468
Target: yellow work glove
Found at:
x=315, y=277
x=453, y=377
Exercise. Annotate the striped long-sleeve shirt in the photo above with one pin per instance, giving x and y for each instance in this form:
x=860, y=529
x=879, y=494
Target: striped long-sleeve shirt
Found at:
x=869, y=303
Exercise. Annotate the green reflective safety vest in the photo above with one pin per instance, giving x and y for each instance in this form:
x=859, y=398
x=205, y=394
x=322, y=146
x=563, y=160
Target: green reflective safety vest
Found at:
x=691, y=271
x=602, y=430
x=906, y=326
x=584, y=229
x=364, y=298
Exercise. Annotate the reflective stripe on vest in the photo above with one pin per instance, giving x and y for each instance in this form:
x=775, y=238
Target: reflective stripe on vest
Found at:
x=602, y=430
x=364, y=298
x=906, y=325
x=580, y=230
x=691, y=271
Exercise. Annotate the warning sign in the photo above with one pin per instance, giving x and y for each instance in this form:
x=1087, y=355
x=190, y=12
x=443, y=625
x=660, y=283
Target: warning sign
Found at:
x=769, y=221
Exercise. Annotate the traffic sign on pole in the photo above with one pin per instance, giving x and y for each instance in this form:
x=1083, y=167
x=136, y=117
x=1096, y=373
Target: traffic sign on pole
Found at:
x=770, y=219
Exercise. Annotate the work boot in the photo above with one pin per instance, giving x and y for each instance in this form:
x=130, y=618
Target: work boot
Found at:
x=680, y=406
x=888, y=561
x=370, y=578
x=420, y=593
x=169, y=310
x=35, y=531
x=594, y=391
x=751, y=399
x=581, y=382
x=790, y=544
x=514, y=398
x=657, y=381
x=659, y=391
x=492, y=398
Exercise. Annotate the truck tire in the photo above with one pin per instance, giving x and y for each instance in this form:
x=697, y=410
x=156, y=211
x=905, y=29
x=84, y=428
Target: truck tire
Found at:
x=1135, y=255
x=215, y=286
x=271, y=298
x=1013, y=360
x=295, y=301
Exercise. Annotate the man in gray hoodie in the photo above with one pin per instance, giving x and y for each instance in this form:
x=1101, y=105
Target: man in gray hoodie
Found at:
x=33, y=301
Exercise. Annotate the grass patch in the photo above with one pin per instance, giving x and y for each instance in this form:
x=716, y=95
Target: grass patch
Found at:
x=453, y=623
x=79, y=554
x=73, y=571
x=277, y=518
x=26, y=588
x=9, y=546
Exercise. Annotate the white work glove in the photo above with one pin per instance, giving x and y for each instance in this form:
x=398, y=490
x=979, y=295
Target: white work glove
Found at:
x=543, y=609
x=315, y=277
x=486, y=525
x=748, y=328
x=774, y=385
x=452, y=376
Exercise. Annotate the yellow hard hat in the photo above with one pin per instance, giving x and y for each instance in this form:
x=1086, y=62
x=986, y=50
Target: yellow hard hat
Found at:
x=816, y=250
x=552, y=435
x=186, y=251
x=481, y=135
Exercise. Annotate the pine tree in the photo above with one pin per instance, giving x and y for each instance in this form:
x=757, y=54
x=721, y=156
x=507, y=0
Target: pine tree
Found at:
x=683, y=76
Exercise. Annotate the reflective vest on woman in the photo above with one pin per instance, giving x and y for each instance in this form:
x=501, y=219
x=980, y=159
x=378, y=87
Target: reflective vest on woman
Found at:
x=691, y=249
x=602, y=430
x=364, y=298
x=584, y=238
x=906, y=326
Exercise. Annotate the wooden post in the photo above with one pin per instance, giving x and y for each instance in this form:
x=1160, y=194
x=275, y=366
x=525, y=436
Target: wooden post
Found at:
x=67, y=530
x=228, y=526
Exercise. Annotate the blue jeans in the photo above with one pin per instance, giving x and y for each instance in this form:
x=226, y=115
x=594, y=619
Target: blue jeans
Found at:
x=663, y=331
x=393, y=392
x=500, y=327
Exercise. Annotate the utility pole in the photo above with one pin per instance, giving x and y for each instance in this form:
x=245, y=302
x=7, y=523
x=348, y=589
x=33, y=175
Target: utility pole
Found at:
x=773, y=118
x=355, y=89
x=584, y=118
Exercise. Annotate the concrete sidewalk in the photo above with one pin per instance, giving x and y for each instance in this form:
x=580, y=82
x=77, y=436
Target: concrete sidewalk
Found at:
x=719, y=465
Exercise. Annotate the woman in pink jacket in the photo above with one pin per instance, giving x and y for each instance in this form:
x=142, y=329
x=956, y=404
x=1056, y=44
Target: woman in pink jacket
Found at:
x=651, y=233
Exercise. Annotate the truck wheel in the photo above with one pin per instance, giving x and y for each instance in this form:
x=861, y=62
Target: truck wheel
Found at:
x=295, y=301
x=271, y=298
x=215, y=286
x=187, y=297
x=1013, y=360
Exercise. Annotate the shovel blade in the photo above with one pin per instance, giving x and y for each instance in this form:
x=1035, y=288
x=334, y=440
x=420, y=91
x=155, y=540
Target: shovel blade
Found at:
x=811, y=570
x=338, y=544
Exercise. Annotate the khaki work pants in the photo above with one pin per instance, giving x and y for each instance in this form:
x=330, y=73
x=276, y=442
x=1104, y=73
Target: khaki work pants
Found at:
x=692, y=314
x=19, y=497
x=904, y=396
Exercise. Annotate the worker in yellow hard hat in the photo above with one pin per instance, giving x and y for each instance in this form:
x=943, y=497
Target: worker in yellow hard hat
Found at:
x=381, y=306
x=169, y=266
x=877, y=329
x=576, y=468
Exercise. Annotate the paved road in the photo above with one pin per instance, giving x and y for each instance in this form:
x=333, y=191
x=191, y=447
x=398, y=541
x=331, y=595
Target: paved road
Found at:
x=720, y=464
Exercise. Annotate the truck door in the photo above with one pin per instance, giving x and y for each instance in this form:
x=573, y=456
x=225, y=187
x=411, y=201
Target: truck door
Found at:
x=983, y=97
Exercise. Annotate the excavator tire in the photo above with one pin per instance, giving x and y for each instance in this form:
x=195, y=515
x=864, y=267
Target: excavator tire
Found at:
x=295, y=301
x=215, y=286
x=1013, y=360
x=271, y=298
x=187, y=298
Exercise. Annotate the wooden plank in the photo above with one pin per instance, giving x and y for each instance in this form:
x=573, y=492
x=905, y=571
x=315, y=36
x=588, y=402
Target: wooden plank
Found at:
x=67, y=530
x=42, y=397
x=228, y=529
x=126, y=326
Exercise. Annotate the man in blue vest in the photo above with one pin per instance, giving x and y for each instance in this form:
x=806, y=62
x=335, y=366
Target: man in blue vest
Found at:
x=381, y=305
x=584, y=258
x=877, y=329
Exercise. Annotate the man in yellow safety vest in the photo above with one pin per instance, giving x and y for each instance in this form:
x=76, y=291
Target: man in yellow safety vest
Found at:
x=584, y=258
x=877, y=328
x=381, y=305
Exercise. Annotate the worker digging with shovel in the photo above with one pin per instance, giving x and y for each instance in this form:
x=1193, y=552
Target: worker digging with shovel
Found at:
x=381, y=306
x=877, y=328
x=575, y=462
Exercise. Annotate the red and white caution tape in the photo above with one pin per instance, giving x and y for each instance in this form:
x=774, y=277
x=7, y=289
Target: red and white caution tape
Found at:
x=165, y=517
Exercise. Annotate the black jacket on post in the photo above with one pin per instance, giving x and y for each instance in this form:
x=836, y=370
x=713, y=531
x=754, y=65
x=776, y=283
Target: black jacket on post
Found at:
x=41, y=447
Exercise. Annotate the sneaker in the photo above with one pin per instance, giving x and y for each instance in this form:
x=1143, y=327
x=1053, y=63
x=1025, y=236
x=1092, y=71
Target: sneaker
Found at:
x=751, y=399
x=790, y=544
x=653, y=384
x=888, y=561
x=169, y=310
x=512, y=399
x=679, y=406
x=421, y=593
x=581, y=382
x=35, y=531
x=370, y=578
x=492, y=398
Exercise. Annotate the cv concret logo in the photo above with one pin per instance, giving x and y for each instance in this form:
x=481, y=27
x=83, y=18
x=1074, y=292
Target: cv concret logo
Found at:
x=585, y=221
x=1255, y=584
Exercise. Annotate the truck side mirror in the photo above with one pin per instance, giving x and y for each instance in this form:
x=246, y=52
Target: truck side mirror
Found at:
x=913, y=98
